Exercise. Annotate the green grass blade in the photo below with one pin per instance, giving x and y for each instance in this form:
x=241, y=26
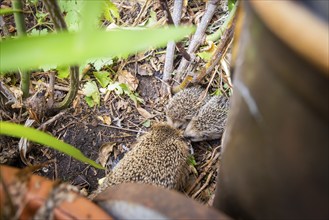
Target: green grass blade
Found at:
x=70, y=48
x=40, y=137
x=7, y=11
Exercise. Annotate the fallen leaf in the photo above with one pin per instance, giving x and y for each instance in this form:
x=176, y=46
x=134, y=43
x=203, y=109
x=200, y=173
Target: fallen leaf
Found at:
x=144, y=113
x=147, y=123
x=121, y=104
x=128, y=79
x=104, y=152
x=107, y=120
x=145, y=70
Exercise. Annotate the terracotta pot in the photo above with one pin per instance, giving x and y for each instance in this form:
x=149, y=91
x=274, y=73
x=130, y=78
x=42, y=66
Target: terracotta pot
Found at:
x=30, y=192
x=275, y=159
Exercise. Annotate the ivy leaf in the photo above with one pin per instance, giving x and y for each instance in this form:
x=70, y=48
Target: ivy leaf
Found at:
x=90, y=90
x=100, y=62
x=103, y=78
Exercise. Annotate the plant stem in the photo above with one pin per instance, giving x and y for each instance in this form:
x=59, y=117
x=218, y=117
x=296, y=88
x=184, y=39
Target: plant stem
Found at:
x=60, y=25
x=197, y=38
x=169, y=64
x=215, y=36
x=19, y=17
x=21, y=31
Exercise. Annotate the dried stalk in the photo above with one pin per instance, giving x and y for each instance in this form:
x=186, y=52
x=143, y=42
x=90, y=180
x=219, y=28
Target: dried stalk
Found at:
x=219, y=54
x=21, y=31
x=170, y=52
x=197, y=37
x=60, y=25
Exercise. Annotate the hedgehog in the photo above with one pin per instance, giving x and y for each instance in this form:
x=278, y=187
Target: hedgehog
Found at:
x=158, y=158
x=210, y=121
x=184, y=105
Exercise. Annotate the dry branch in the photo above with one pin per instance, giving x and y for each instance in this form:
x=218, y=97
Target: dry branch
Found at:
x=197, y=38
x=170, y=52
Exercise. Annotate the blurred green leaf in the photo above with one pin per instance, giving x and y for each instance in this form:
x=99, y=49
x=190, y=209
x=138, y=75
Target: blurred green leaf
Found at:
x=231, y=4
x=63, y=72
x=7, y=11
x=70, y=48
x=40, y=137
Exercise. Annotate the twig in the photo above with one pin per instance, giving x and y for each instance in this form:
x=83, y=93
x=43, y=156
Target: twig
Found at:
x=197, y=37
x=170, y=21
x=7, y=93
x=170, y=52
x=142, y=12
x=51, y=89
x=209, y=164
x=45, y=124
x=124, y=129
x=61, y=88
x=60, y=25
x=221, y=50
x=4, y=27
x=204, y=185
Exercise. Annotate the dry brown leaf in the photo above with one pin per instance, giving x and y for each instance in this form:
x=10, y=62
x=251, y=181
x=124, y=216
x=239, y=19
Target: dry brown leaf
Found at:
x=104, y=152
x=105, y=119
x=121, y=104
x=129, y=79
x=145, y=70
x=144, y=113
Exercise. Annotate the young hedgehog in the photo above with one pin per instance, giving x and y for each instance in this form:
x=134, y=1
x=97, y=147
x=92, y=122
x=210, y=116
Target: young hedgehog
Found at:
x=184, y=105
x=159, y=158
x=209, y=123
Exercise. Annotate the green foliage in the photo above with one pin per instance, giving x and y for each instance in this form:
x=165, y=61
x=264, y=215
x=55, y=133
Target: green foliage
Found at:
x=36, y=32
x=205, y=55
x=191, y=160
x=68, y=48
x=63, y=72
x=100, y=62
x=92, y=96
x=72, y=10
x=41, y=17
x=103, y=78
x=231, y=4
x=121, y=88
x=110, y=11
x=8, y=11
x=40, y=137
